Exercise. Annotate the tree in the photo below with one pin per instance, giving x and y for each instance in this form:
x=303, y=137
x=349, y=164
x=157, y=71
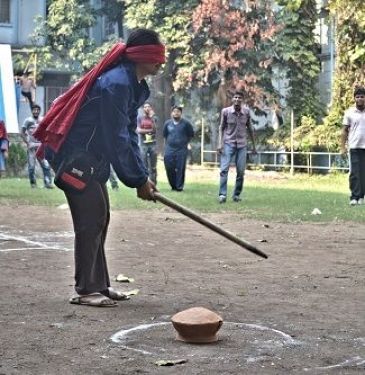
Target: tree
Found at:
x=211, y=39
x=65, y=32
x=349, y=16
x=232, y=45
x=296, y=53
x=172, y=20
x=350, y=57
x=214, y=47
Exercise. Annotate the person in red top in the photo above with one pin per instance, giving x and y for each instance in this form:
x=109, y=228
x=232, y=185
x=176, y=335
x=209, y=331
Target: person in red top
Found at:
x=4, y=146
x=146, y=128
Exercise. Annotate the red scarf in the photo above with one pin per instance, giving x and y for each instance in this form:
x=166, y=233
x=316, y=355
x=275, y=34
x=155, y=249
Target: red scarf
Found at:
x=57, y=122
x=3, y=133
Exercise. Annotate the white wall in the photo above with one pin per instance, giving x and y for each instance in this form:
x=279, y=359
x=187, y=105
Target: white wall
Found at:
x=22, y=14
x=8, y=90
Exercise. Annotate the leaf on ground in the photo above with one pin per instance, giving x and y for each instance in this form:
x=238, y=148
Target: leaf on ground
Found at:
x=124, y=279
x=133, y=292
x=170, y=362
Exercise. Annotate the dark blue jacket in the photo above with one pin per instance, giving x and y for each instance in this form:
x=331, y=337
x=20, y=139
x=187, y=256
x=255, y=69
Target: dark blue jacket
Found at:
x=106, y=125
x=177, y=136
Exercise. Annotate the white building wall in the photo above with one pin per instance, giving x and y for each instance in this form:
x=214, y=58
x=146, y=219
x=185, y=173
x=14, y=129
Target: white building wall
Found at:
x=28, y=10
x=22, y=14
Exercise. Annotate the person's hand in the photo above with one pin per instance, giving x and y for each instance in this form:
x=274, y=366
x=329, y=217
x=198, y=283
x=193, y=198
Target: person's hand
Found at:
x=6, y=154
x=343, y=150
x=146, y=191
x=220, y=150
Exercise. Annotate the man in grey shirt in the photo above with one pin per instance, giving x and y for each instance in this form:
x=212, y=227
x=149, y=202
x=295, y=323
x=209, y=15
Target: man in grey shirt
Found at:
x=29, y=127
x=232, y=142
x=353, y=135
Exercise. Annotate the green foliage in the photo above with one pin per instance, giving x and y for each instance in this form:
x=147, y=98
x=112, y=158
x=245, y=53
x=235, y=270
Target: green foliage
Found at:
x=296, y=54
x=172, y=20
x=208, y=40
x=350, y=58
x=303, y=137
x=17, y=159
x=66, y=32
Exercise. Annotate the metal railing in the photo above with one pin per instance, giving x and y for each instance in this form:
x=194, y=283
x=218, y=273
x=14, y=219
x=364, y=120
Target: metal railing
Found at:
x=314, y=161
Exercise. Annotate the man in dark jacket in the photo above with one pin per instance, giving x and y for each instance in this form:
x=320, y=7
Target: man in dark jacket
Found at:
x=177, y=132
x=105, y=130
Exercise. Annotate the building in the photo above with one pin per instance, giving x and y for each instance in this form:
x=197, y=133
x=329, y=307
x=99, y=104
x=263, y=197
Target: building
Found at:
x=18, y=23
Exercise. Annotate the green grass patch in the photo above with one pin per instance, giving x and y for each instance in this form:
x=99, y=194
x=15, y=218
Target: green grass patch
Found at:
x=268, y=197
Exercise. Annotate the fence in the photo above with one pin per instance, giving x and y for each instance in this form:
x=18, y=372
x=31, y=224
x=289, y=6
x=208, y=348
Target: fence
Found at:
x=309, y=161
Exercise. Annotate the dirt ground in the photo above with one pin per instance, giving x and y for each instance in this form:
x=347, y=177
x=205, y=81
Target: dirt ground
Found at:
x=300, y=311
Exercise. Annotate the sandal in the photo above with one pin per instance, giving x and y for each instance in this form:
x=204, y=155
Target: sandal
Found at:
x=94, y=299
x=115, y=295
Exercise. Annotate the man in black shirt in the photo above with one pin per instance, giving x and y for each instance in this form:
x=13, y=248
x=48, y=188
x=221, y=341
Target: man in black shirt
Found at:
x=177, y=132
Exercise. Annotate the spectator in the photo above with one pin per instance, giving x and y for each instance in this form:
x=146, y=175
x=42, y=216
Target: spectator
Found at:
x=27, y=87
x=4, y=147
x=29, y=127
x=177, y=132
x=353, y=136
x=146, y=128
x=234, y=126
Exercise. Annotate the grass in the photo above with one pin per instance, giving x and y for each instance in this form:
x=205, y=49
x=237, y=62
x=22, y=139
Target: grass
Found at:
x=267, y=196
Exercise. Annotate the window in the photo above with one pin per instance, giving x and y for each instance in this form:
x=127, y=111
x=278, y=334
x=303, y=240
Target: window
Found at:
x=4, y=11
x=51, y=94
x=109, y=25
x=109, y=28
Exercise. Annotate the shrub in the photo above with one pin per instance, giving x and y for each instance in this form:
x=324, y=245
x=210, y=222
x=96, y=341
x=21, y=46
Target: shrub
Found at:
x=17, y=159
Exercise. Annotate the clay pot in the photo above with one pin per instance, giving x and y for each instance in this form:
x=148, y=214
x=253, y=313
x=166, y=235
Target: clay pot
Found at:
x=197, y=325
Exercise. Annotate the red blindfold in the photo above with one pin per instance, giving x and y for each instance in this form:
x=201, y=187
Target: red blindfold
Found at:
x=58, y=120
x=150, y=53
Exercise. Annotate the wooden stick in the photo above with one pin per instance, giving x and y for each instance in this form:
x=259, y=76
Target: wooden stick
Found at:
x=214, y=227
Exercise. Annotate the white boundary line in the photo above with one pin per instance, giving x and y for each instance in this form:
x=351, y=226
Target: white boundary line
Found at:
x=355, y=361
x=40, y=245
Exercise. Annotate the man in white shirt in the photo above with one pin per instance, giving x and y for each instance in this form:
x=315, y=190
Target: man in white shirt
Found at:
x=353, y=135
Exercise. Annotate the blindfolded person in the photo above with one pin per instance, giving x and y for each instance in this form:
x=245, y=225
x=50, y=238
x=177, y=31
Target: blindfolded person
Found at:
x=94, y=125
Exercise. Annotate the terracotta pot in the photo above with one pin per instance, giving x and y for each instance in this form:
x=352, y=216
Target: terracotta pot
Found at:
x=197, y=325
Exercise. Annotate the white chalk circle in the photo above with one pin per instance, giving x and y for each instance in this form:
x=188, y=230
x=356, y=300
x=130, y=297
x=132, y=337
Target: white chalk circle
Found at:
x=240, y=344
x=156, y=338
